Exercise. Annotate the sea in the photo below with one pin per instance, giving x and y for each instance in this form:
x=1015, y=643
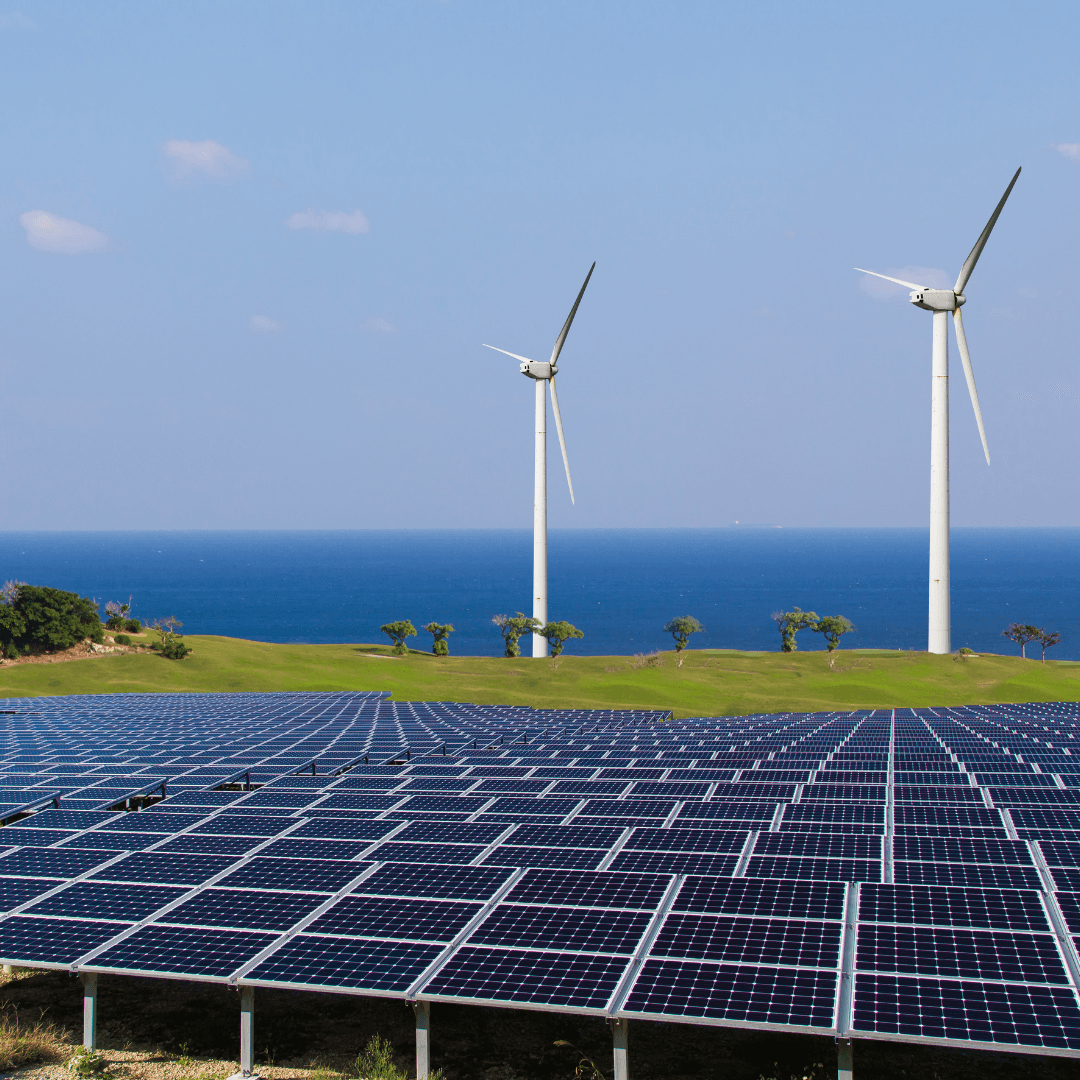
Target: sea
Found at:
x=619, y=586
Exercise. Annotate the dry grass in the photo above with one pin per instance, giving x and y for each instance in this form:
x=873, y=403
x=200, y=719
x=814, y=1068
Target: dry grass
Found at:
x=24, y=1043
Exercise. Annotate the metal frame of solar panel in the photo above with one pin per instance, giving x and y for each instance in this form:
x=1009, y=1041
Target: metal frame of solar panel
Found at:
x=909, y=875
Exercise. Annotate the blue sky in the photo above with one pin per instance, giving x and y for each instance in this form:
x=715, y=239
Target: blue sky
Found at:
x=250, y=253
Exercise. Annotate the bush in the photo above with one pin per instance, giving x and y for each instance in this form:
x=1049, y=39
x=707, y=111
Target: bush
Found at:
x=171, y=645
x=38, y=619
x=122, y=639
x=133, y=626
x=115, y=622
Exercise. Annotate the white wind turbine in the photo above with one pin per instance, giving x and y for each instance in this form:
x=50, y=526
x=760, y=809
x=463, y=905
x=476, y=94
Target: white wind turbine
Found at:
x=941, y=302
x=544, y=374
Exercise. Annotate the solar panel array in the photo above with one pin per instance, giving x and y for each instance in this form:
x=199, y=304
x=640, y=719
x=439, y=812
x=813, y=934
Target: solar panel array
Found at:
x=907, y=874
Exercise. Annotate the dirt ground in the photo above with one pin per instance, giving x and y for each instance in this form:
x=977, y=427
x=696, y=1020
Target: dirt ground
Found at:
x=85, y=650
x=171, y=1030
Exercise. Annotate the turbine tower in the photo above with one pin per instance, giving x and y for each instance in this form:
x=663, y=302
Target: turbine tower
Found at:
x=941, y=302
x=544, y=375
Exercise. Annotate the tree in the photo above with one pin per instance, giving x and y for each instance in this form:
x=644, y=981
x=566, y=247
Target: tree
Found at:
x=513, y=627
x=398, y=632
x=38, y=619
x=790, y=623
x=557, y=633
x=118, y=617
x=681, y=629
x=1021, y=633
x=172, y=645
x=440, y=632
x=833, y=627
x=1047, y=641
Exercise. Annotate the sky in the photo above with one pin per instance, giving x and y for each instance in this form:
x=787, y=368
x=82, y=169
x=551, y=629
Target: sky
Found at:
x=250, y=253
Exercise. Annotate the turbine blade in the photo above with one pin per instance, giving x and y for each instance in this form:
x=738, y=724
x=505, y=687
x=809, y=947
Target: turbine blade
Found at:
x=558, y=428
x=976, y=251
x=909, y=284
x=570, y=318
x=513, y=354
x=965, y=358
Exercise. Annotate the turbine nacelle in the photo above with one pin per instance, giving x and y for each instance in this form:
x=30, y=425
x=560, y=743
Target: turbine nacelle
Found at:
x=937, y=299
x=538, y=369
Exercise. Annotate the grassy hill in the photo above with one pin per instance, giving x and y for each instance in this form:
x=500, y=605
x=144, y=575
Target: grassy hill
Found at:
x=708, y=683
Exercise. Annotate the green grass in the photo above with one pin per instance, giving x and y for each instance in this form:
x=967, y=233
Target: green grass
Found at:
x=709, y=682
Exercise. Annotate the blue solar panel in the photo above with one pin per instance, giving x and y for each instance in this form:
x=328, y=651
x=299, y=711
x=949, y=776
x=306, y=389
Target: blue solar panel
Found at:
x=554, y=858
x=345, y=963
x=751, y=995
x=590, y=889
x=244, y=909
x=775, y=899
x=791, y=943
x=182, y=950
x=970, y=874
x=382, y=917
x=569, y=980
x=1033, y=1016
x=34, y=941
x=561, y=929
x=99, y=900
x=51, y=862
x=165, y=869
x=16, y=891
x=449, y=882
x=306, y=875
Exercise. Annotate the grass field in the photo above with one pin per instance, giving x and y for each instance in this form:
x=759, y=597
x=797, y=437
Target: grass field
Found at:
x=708, y=683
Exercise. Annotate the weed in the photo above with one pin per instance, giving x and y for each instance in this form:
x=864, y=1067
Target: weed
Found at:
x=86, y=1062
x=587, y=1069
x=816, y=1071
x=640, y=660
x=376, y=1062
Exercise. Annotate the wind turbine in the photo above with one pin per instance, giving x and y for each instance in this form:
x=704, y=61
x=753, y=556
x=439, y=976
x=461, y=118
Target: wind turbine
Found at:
x=544, y=375
x=941, y=302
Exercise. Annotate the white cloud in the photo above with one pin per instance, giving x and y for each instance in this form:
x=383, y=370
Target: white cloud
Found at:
x=16, y=20
x=1069, y=149
x=330, y=221
x=207, y=157
x=928, y=276
x=379, y=326
x=263, y=324
x=52, y=233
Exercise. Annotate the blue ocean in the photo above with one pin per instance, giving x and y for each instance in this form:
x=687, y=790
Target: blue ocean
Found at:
x=620, y=586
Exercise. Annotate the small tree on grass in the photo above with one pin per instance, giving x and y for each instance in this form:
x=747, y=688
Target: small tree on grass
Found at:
x=513, y=627
x=37, y=619
x=790, y=623
x=681, y=629
x=398, y=632
x=557, y=634
x=1047, y=641
x=172, y=645
x=1021, y=633
x=118, y=617
x=440, y=632
x=833, y=627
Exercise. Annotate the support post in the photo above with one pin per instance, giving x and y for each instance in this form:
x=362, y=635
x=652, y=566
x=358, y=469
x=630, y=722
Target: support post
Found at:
x=940, y=628
x=89, y=1010
x=247, y=1035
x=423, y=1038
x=540, y=582
x=620, y=1038
x=844, y=1064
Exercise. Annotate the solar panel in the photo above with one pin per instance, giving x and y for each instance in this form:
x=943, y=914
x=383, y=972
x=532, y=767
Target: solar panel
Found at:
x=590, y=889
x=567, y=929
x=383, y=917
x=689, y=989
x=791, y=943
x=189, y=951
x=570, y=980
x=96, y=900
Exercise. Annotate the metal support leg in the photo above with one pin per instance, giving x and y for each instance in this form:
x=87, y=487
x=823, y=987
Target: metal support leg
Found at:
x=247, y=1036
x=423, y=1038
x=89, y=1010
x=620, y=1037
x=844, y=1055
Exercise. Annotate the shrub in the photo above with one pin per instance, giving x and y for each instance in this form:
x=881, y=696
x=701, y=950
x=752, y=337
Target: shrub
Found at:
x=38, y=619
x=122, y=639
x=171, y=645
x=133, y=626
